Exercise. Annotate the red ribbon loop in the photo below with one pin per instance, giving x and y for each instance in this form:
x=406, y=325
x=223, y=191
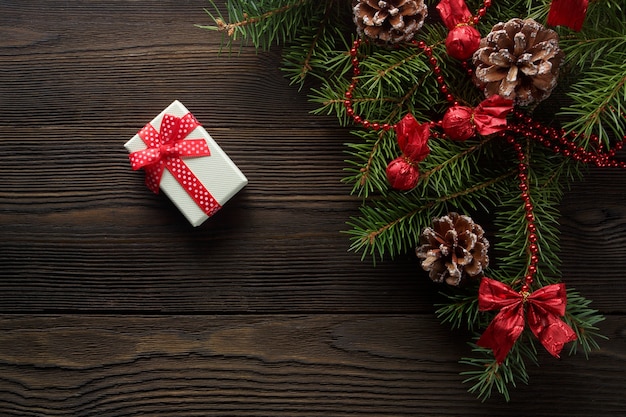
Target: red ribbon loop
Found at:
x=570, y=13
x=165, y=148
x=490, y=115
x=544, y=309
x=453, y=12
x=413, y=138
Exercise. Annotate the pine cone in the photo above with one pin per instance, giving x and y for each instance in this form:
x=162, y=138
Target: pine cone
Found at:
x=390, y=21
x=453, y=249
x=519, y=60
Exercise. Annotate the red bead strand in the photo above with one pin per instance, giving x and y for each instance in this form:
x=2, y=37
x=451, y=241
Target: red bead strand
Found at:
x=349, y=95
x=531, y=228
x=481, y=12
x=559, y=141
x=356, y=71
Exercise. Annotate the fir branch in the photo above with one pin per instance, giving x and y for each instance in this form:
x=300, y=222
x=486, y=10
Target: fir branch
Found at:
x=599, y=100
x=490, y=375
x=393, y=225
x=321, y=46
x=449, y=161
x=585, y=51
x=263, y=22
x=601, y=36
x=547, y=178
x=364, y=181
x=330, y=98
x=461, y=311
x=583, y=320
x=394, y=72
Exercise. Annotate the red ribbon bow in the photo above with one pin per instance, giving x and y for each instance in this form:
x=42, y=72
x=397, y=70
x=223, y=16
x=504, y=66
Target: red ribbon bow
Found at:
x=570, y=13
x=461, y=122
x=165, y=148
x=402, y=172
x=544, y=308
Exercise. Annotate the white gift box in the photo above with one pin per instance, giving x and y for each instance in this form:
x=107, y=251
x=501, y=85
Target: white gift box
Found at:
x=217, y=172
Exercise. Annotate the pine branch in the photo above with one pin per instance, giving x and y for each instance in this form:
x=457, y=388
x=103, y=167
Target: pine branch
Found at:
x=393, y=225
x=321, y=46
x=583, y=319
x=262, y=22
x=599, y=100
x=369, y=163
x=461, y=310
x=490, y=375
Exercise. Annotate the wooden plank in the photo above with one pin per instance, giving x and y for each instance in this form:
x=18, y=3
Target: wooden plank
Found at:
x=279, y=365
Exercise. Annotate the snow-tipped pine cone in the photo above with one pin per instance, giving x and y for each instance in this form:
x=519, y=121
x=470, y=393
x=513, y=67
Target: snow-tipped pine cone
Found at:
x=453, y=249
x=390, y=21
x=518, y=60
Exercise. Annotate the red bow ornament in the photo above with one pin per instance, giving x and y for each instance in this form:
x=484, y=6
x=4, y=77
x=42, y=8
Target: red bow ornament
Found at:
x=463, y=39
x=402, y=172
x=462, y=122
x=570, y=13
x=165, y=149
x=542, y=310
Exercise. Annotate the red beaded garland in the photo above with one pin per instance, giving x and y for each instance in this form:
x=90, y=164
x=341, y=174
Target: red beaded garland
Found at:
x=349, y=94
x=531, y=228
x=562, y=142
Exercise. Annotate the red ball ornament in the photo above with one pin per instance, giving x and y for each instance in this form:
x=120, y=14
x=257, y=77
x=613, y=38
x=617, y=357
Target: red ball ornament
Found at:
x=402, y=174
x=412, y=138
x=462, y=42
x=458, y=123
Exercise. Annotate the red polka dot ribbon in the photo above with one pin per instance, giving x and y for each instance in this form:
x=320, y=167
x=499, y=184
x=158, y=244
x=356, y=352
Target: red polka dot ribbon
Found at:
x=165, y=148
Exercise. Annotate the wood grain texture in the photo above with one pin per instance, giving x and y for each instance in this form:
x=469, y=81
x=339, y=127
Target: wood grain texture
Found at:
x=278, y=365
x=112, y=305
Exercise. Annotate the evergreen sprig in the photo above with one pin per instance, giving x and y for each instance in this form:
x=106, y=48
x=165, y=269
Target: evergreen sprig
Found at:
x=261, y=22
x=478, y=175
x=488, y=375
x=599, y=100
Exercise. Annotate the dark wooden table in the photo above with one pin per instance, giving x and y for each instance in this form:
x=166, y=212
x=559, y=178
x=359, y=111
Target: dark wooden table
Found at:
x=112, y=305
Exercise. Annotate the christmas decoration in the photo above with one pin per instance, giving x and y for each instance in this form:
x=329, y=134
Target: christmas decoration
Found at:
x=182, y=159
x=463, y=39
x=570, y=13
x=390, y=21
x=402, y=172
x=462, y=122
x=518, y=60
x=544, y=309
x=453, y=249
x=492, y=136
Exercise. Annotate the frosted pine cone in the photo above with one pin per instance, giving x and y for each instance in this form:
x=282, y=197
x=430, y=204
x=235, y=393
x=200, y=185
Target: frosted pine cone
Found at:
x=453, y=249
x=390, y=21
x=519, y=60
